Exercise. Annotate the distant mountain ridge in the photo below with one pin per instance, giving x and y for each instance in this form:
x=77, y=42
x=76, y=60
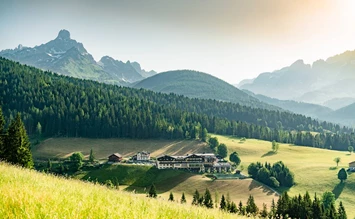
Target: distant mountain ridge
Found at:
x=68, y=57
x=307, y=109
x=318, y=83
x=196, y=84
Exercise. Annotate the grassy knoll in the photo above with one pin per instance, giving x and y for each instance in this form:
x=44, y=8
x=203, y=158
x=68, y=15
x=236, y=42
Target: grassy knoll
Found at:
x=63, y=147
x=315, y=170
x=29, y=194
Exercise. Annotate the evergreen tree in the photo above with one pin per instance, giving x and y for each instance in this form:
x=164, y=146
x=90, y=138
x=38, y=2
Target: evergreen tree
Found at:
x=223, y=204
x=171, y=197
x=183, y=199
x=341, y=211
x=49, y=165
x=196, y=198
x=273, y=209
x=241, y=208
x=208, y=202
x=264, y=212
x=232, y=208
x=251, y=207
x=91, y=156
x=152, y=192
x=17, y=145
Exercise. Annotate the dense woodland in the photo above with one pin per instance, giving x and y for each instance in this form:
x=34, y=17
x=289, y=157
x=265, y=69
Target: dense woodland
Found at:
x=53, y=105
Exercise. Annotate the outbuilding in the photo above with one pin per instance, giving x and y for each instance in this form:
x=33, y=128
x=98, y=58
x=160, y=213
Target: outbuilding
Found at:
x=116, y=157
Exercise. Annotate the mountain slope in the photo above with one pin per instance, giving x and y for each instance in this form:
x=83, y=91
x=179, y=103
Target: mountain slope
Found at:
x=68, y=57
x=345, y=115
x=308, y=109
x=199, y=85
x=317, y=83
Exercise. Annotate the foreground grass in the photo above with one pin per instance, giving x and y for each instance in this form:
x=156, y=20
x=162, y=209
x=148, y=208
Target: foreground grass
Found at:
x=315, y=170
x=29, y=194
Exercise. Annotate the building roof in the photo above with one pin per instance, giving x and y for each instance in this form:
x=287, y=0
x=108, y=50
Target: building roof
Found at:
x=352, y=162
x=144, y=152
x=116, y=155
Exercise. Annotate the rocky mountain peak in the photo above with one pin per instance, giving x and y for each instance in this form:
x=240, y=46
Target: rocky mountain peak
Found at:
x=63, y=35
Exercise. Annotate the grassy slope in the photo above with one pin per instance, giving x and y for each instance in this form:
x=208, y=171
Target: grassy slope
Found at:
x=63, y=147
x=140, y=177
x=29, y=194
x=315, y=170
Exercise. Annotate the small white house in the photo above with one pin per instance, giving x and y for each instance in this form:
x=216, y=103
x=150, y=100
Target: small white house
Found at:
x=142, y=156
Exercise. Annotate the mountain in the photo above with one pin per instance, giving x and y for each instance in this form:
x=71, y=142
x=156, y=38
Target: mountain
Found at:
x=308, y=109
x=345, y=115
x=70, y=107
x=338, y=103
x=317, y=83
x=68, y=57
x=199, y=85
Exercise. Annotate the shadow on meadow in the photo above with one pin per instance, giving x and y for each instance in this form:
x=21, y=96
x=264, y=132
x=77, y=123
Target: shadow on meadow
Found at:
x=269, y=153
x=266, y=189
x=338, y=189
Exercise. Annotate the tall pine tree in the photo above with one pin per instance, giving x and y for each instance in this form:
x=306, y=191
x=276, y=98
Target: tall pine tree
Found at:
x=17, y=145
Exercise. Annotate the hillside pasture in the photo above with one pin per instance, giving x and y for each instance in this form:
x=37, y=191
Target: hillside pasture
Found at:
x=315, y=170
x=60, y=148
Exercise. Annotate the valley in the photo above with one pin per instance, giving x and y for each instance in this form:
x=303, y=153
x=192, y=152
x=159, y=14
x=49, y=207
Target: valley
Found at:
x=312, y=175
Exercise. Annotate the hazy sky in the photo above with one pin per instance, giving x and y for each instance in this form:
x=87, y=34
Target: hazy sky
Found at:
x=231, y=39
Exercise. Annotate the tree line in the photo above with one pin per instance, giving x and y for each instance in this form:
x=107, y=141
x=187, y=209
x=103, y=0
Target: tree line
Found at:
x=53, y=105
x=286, y=207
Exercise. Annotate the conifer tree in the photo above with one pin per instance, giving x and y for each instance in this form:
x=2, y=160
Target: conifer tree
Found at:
x=183, y=199
x=264, y=212
x=171, y=197
x=341, y=211
x=17, y=145
x=196, y=198
x=241, y=209
x=232, y=208
x=208, y=202
x=91, y=156
x=251, y=206
x=223, y=204
x=49, y=165
x=152, y=192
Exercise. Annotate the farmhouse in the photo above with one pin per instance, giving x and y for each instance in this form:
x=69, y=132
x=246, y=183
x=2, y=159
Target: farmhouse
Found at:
x=196, y=162
x=352, y=166
x=116, y=157
x=142, y=156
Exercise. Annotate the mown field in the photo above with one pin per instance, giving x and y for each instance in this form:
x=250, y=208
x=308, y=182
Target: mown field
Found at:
x=30, y=194
x=139, y=178
x=315, y=169
x=64, y=147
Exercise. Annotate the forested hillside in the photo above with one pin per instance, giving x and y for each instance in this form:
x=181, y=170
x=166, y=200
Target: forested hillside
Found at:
x=54, y=105
x=196, y=84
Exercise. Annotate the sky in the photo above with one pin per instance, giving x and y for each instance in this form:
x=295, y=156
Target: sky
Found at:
x=230, y=39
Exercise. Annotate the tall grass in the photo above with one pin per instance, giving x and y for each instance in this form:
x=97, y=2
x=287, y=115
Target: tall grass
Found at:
x=29, y=194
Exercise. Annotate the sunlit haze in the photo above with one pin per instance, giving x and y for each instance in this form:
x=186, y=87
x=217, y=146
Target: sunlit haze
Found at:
x=232, y=40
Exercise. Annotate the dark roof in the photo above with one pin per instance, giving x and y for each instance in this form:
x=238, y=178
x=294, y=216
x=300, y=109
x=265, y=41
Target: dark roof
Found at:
x=116, y=155
x=352, y=162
